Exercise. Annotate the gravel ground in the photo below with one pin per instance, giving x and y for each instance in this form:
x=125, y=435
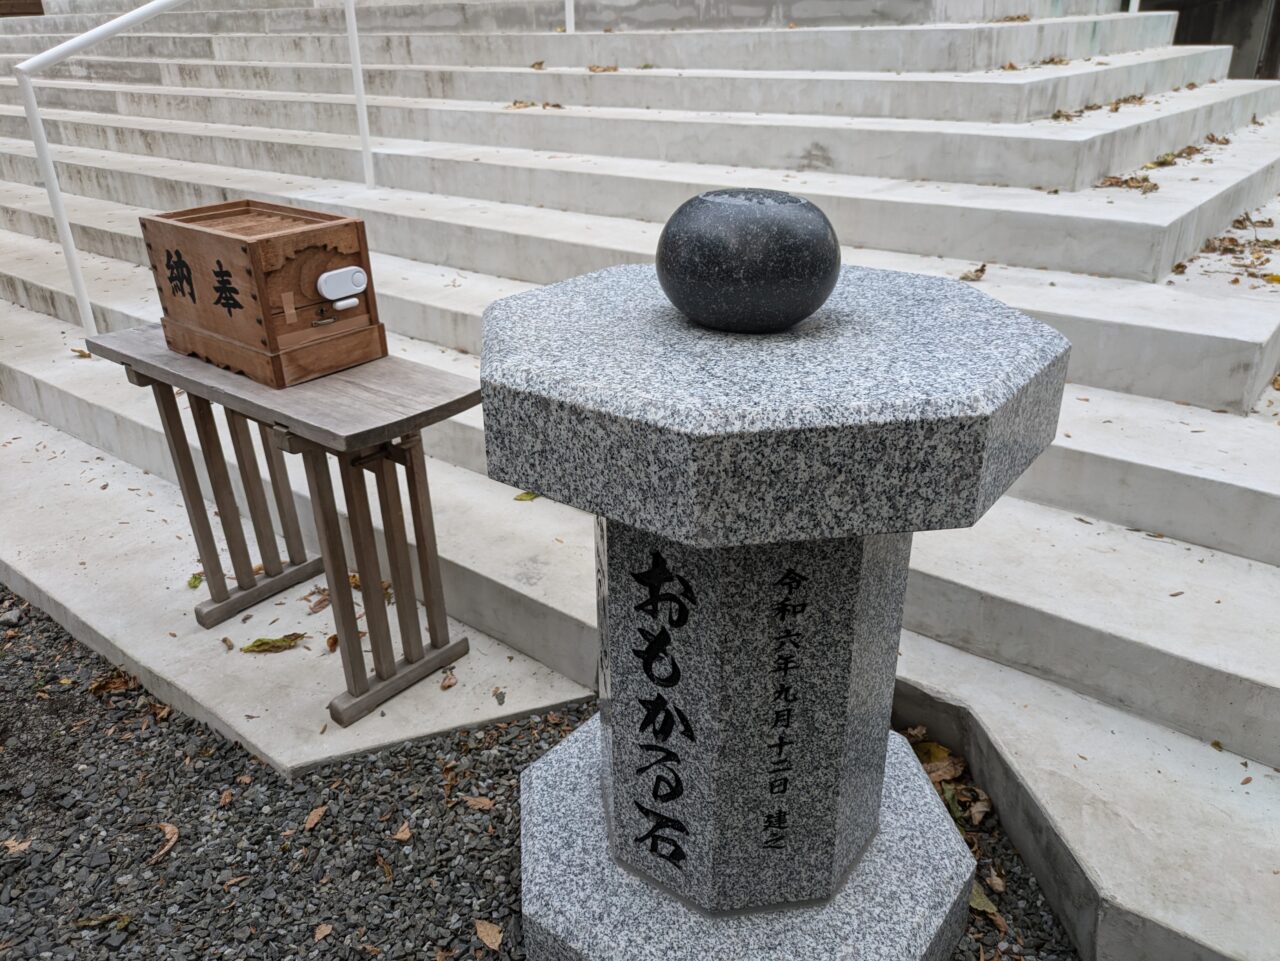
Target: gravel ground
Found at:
x=135, y=832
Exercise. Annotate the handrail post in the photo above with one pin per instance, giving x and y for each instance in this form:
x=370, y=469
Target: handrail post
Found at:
x=1133, y=5
x=56, y=206
x=569, y=25
x=357, y=85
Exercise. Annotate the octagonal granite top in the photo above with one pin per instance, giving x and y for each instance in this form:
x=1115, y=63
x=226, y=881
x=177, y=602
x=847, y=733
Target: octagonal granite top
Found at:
x=906, y=403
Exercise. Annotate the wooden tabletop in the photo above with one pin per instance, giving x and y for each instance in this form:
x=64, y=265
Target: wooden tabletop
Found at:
x=350, y=410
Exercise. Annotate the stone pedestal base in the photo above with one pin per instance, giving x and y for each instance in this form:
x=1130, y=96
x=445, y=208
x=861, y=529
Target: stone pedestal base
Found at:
x=906, y=898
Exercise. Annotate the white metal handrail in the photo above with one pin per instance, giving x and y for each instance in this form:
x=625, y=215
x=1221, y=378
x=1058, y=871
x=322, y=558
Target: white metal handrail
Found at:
x=69, y=48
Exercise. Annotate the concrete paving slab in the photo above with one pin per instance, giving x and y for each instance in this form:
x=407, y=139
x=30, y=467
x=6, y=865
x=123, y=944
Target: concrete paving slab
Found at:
x=1152, y=846
x=104, y=547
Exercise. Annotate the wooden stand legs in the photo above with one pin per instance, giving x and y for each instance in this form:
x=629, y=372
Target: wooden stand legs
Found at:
x=250, y=586
x=391, y=674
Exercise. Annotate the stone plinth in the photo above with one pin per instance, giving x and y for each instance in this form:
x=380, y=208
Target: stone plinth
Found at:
x=756, y=497
x=907, y=896
x=748, y=697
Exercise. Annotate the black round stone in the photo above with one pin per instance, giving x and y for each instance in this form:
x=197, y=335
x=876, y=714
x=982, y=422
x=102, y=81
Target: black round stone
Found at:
x=748, y=261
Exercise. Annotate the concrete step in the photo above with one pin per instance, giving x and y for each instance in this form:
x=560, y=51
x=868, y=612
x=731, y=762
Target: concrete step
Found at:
x=999, y=96
x=1113, y=232
x=940, y=47
x=1199, y=476
x=1203, y=477
x=637, y=14
x=34, y=277
x=430, y=302
x=1216, y=351
x=1046, y=154
x=492, y=15
x=510, y=568
x=1123, y=615
x=1166, y=630
x=1112, y=813
x=106, y=550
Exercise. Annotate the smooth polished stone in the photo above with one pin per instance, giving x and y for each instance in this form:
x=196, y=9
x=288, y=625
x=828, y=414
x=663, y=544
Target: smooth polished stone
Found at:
x=748, y=261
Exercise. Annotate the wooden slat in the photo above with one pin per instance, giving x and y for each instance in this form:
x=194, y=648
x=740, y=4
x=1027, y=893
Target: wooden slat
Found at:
x=189, y=483
x=216, y=466
x=393, y=528
x=351, y=410
x=282, y=490
x=335, y=567
x=346, y=709
x=211, y=613
x=365, y=548
x=424, y=535
x=255, y=494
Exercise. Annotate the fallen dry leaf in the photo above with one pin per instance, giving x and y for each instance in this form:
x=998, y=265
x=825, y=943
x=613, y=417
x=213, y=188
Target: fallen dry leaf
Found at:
x=170, y=839
x=14, y=846
x=489, y=933
x=976, y=274
x=229, y=644
x=979, y=901
x=230, y=883
x=1246, y=780
x=478, y=803
x=323, y=931
x=448, y=680
x=977, y=811
x=599, y=68
x=538, y=64
x=272, y=645
x=226, y=798
x=386, y=869
x=331, y=642
x=81, y=352
x=995, y=882
x=314, y=817
x=404, y=834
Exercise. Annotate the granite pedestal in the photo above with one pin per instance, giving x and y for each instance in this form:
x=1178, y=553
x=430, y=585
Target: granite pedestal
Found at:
x=756, y=497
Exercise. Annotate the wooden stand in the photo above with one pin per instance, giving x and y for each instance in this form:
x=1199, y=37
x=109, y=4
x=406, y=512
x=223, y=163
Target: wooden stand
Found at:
x=391, y=674
x=369, y=419
x=276, y=576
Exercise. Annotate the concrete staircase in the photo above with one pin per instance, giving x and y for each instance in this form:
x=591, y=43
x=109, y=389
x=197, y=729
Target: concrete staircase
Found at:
x=1105, y=645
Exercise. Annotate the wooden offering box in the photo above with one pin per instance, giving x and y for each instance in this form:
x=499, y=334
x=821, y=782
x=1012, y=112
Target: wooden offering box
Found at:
x=238, y=285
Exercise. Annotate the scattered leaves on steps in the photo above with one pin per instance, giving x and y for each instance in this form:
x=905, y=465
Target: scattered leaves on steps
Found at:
x=976, y=274
x=526, y=496
x=599, y=68
x=1141, y=182
x=195, y=580
x=539, y=65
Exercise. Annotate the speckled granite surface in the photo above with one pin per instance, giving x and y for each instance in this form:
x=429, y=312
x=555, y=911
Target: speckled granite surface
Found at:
x=906, y=899
x=749, y=695
x=906, y=403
